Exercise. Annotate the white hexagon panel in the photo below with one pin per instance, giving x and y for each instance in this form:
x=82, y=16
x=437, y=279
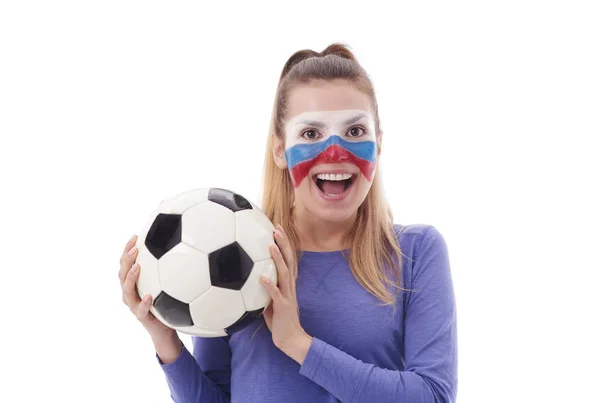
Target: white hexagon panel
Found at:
x=254, y=294
x=208, y=227
x=176, y=204
x=184, y=273
x=180, y=202
x=201, y=332
x=217, y=308
x=148, y=281
x=254, y=232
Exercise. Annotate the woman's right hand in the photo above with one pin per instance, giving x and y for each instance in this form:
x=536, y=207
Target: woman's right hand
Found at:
x=128, y=275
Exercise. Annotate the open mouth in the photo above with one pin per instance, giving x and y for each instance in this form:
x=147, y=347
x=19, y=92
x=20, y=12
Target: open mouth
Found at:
x=334, y=184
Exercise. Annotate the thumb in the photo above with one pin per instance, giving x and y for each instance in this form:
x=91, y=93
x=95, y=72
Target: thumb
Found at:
x=271, y=288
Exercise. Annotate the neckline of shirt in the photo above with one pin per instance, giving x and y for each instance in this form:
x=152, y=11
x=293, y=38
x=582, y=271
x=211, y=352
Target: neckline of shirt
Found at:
x=314, y=256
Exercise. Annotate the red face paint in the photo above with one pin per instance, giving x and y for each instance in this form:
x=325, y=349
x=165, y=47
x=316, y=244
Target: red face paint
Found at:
x=333, y=154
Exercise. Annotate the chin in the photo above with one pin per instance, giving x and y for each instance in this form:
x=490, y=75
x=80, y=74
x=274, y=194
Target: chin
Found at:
x=335, y=217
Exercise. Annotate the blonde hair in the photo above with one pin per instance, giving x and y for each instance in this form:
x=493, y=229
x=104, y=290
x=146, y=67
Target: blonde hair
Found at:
x=373, y=241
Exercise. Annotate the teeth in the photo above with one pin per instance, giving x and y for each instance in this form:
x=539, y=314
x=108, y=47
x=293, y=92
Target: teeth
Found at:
x=334, y=177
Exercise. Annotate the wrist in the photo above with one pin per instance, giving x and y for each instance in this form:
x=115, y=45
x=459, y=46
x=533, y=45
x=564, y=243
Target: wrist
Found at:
x=166, y=335
x=297, y=348
x=168, y=346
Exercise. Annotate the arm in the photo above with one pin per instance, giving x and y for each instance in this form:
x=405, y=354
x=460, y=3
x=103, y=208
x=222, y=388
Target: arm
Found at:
x=430, y=374
x=201, y=377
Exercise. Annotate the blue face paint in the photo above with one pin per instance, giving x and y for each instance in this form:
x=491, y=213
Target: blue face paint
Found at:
x=335, y=149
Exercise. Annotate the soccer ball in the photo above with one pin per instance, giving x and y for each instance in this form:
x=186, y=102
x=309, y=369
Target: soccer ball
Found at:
x=201, y=255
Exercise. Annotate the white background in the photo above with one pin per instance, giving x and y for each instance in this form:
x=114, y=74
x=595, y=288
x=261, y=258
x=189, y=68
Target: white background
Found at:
x=490, y=113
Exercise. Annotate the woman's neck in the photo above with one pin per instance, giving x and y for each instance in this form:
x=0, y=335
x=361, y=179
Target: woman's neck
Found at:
x=318, y=235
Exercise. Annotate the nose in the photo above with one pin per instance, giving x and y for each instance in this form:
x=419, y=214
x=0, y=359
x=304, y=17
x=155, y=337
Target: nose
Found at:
x=335, y=154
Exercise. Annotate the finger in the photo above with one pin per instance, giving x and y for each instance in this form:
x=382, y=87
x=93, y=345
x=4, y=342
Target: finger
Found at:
x=144, y=307
x=130, y=243
x=286, y=250
x=268, y=315
x=126, y=262
x=129, y=292
x=284, y=245
x=283, y=274
x=272, y=289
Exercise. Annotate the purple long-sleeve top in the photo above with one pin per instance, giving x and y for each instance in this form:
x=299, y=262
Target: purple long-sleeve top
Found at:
x=362, y=350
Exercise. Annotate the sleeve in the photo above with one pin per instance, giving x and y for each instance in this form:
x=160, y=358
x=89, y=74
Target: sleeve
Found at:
x=202, y=377
x=430, y=345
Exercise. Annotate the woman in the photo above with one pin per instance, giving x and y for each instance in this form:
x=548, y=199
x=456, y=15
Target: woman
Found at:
x=350, y=319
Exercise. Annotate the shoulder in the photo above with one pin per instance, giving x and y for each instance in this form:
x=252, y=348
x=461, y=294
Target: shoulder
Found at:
x=417, y=234
x=423, y=247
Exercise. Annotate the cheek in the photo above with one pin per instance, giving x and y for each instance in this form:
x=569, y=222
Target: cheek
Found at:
x=304, y=188
x=363, y=186
x=304, y=193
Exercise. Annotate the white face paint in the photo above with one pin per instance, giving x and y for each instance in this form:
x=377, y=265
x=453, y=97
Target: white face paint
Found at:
x=316, y=126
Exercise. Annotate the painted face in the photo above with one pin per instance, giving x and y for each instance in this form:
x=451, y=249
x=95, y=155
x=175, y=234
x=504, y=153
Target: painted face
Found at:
x=330, y=137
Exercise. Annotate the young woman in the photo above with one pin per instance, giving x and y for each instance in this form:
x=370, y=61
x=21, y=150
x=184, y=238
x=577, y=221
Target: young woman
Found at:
x=364, y=309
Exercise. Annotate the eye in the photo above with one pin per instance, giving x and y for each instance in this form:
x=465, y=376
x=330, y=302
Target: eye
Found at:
x=356, y=131
x=309, y=134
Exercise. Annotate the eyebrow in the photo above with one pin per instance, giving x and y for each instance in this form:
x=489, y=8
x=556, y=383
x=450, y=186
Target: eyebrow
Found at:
x=320, y=125
x=354, y=119
x=314, y=123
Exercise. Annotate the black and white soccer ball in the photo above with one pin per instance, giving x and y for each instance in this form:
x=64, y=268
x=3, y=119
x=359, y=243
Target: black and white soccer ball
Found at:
x=201, y=255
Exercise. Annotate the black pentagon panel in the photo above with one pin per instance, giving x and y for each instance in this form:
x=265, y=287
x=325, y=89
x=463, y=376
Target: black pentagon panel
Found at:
x=175, y=312
x=246, y=319
x=230, y=266
x=230, y=200
x=164, y=234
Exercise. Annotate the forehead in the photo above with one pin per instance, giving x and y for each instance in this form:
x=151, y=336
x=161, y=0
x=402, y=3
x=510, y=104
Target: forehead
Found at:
x=329, y=118
x=326, y=96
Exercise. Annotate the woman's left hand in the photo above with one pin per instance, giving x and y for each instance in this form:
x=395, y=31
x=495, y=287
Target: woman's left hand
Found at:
x=282, y=315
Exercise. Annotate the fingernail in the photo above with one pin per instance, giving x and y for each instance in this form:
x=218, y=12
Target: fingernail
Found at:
x=136, y=267
x=278, y=234
x=132, y=251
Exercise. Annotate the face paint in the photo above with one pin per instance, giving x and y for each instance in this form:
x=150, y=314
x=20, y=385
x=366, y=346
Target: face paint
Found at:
x=334, y=144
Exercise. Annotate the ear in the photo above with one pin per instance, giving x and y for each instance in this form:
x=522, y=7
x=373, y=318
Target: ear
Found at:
x=279, y=152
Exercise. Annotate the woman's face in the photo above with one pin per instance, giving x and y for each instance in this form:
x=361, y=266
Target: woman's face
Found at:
x=330, y=148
